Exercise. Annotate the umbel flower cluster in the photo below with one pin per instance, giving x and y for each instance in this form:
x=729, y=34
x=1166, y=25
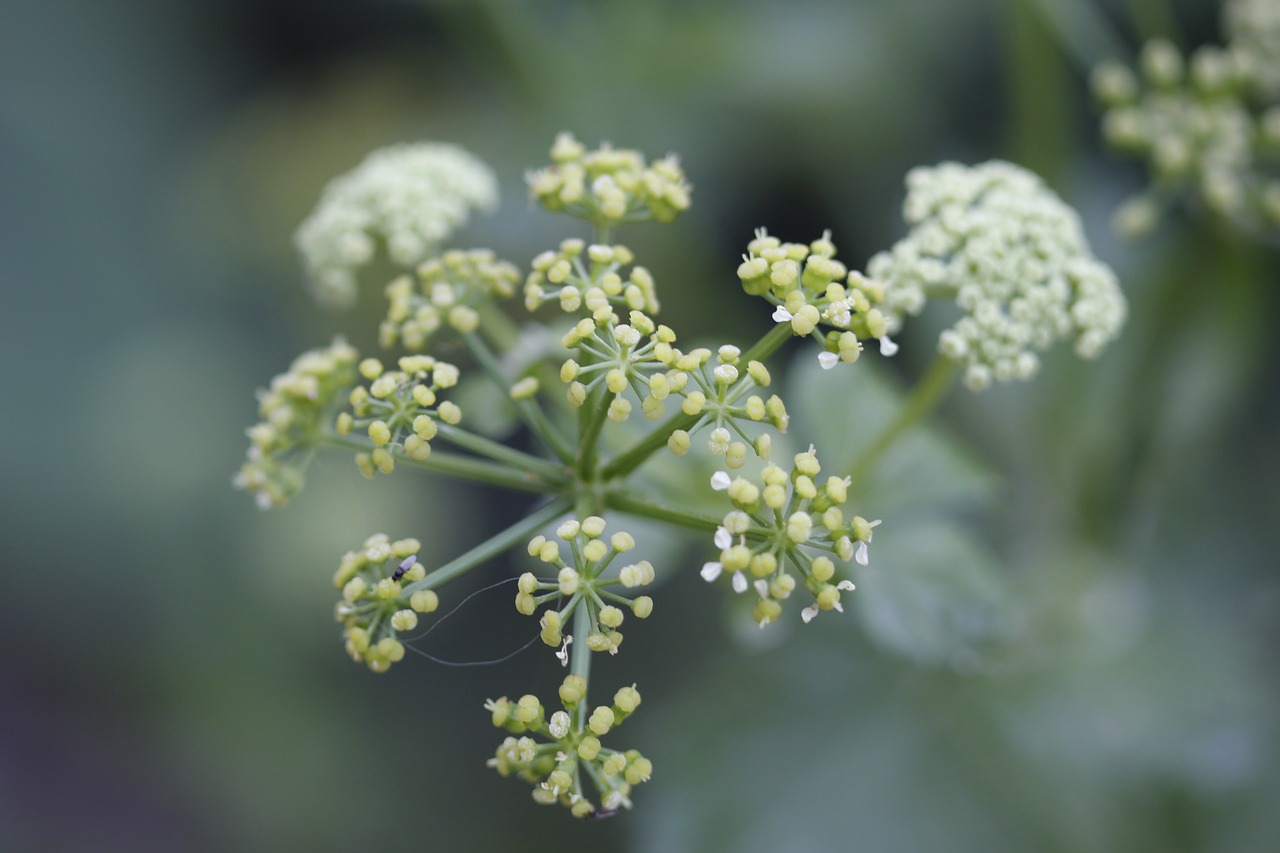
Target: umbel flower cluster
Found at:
x=615, y=390
x=1001, y=245
x=1207, y=124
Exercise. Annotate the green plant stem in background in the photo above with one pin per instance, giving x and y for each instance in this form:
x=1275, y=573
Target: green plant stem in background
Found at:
x=928, y=392
x=1084, y=33
x=466, y=467
x=1154, y=19
x=493, y=546
x=528, y=410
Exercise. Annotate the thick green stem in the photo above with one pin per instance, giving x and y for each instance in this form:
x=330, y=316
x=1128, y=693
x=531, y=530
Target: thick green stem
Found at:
x=597, y=406
x=502, y=453
x=924, y=398
x=465, y=467
x=580, y=656
x=769, y=343
x=632, y=505
x=492, y=547
x=528, y=410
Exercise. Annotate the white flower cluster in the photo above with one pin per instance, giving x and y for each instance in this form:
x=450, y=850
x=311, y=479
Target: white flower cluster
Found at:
x=410, y=196
x=1208, y=124
x=1014, y=258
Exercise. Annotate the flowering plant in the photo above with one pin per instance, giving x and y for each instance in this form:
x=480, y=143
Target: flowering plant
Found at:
x=778, y=526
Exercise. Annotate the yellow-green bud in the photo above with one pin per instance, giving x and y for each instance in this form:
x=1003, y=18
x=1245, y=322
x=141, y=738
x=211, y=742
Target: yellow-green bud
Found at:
x=424, y=601
x=642, y=607
x=404, y=620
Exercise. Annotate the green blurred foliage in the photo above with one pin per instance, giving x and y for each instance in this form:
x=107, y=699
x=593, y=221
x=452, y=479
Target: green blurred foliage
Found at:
x=1067, y=639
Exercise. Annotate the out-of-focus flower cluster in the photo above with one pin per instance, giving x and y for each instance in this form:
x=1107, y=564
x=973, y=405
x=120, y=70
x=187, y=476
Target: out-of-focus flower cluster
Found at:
x=584, y=585
x=1012, y=256
x=400, y=409
x=811, y=289
x=779, y=517
x=449, y=290
x=410, y=197
x=555, y=753
x=1208, y=124
x=295, y=409
x=609, y=185
x=375, y=603
x=592, y=284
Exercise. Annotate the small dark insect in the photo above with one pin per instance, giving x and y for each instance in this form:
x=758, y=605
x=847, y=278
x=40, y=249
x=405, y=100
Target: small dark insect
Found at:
x=601, y=814
x=404, y=567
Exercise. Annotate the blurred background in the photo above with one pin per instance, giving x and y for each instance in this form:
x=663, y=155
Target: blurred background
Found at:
x=1071, y=638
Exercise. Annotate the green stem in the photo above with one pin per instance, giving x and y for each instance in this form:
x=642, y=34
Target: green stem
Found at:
x=924, y=397
x=580, y=657
x=597, y=405
x=502, y=453
x=465, y=467
x=493, y=546
x=632, y=505
x=768, y=343
x=1083, y=32
x=528, y=410
x=1154, y=19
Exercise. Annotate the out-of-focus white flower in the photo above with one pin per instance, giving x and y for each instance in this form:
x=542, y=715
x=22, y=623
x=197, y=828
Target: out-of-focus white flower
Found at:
x=408, y=197
x=1014, y=258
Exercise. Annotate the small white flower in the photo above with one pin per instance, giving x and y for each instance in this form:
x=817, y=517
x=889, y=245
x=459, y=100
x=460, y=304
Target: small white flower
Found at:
x=563, y=654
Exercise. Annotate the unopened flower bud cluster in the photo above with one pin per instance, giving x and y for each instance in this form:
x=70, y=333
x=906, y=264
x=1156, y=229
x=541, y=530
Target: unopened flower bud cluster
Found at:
x=375, y=605
x=294, y=410
x=609, y=185
x=409, y=198
x=589, y=279
x=779, y=519
x=447, y=290
x=1208, y=124
x=560, y=754
x=581, y=582
x=399, y=410
x=811, y=289
x=1012, y=256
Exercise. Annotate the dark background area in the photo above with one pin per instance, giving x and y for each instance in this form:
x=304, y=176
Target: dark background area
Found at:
x=173, y=678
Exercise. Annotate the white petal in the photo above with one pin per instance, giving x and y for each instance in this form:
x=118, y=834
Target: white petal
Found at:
x=809, y=612
x=781, y=315
x=828, y=360
x=845, y=585
x=739, y=582
x=762, y=588
x=861, y=554
x=720, y=481
x=723, y=539
x=887, y=347
x=711, y=571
